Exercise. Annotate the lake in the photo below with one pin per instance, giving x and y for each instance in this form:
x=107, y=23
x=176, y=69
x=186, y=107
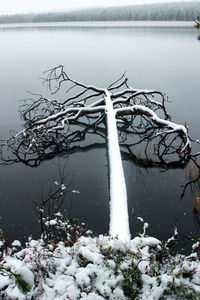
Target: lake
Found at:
x=155, y=55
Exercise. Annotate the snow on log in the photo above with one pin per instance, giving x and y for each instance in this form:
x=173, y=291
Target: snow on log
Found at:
x=119, y=220
x=52, y=127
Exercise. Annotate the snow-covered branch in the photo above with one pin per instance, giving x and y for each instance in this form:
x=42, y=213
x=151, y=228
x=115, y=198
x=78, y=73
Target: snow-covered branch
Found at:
x=162, y=123
x=119, y=114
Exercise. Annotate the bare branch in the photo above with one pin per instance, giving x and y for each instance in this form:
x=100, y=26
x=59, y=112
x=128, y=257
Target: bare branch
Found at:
x=135, y=118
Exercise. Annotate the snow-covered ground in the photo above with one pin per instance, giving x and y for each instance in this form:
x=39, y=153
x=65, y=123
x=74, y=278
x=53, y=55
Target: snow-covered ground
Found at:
x=97, y=268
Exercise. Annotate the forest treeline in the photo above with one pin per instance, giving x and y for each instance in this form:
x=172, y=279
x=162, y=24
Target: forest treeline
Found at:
x=181, y=11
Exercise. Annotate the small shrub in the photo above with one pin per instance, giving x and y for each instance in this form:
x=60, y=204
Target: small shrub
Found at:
x=21, y=283
x=83, y=262
x=132, y=283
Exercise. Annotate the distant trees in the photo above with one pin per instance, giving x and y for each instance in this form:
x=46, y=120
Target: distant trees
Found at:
x=181, y=11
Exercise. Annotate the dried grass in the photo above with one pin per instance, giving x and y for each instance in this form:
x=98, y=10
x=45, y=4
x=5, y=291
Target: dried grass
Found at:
x=196, y=204
x=193, y=171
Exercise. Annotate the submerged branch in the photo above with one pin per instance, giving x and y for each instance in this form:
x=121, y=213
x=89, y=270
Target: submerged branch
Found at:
x=52, y=126
x=119, y=115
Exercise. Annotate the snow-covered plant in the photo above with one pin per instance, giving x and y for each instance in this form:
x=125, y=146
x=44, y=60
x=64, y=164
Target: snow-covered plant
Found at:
x=61, y=229
x=54, y=221
x=99, y=268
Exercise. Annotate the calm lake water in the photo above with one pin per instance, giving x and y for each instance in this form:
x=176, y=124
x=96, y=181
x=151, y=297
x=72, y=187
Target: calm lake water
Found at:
x=161, y=56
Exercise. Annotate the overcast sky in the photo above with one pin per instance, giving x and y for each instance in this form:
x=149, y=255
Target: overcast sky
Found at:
x=23, y=6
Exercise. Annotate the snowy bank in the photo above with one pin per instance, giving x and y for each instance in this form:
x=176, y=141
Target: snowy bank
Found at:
x=98, y=268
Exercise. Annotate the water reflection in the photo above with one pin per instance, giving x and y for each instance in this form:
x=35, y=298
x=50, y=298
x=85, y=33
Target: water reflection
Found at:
x=96, y=24
x=43, y=137
x=96, y=56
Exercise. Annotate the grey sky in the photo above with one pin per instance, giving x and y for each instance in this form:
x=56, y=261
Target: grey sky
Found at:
x=23, y=6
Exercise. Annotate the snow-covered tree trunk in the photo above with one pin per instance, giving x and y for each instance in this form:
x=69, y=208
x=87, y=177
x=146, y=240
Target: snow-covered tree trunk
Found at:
x=52, y=127
x=119, y=220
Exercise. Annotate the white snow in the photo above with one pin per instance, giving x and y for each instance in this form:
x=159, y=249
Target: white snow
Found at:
x=141, y=219
x=4, y=281
x=75, y=192
x=173, y=127
x=19, y=267
x=119, y=220
x=51, y=222
x=63, y=187
x=173, y=238
x=97, y=268
x=67, y=112
x=16, y=243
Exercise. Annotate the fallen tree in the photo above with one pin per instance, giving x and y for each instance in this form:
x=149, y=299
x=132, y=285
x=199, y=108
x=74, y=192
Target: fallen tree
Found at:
x=120, y=114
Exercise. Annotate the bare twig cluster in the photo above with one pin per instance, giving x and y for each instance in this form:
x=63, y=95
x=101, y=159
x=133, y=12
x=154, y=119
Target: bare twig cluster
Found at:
x=143, y=122
x=146, y=133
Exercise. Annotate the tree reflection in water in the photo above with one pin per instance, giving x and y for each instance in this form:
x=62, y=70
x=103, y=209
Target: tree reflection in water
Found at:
x=146, y=134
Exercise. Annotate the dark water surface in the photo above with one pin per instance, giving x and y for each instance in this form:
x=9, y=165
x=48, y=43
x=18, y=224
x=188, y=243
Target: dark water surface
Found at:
x=164, y=58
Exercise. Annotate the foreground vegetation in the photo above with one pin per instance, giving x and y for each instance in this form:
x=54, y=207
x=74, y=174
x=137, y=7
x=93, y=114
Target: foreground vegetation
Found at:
x=87, y=267
x=181, y=11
